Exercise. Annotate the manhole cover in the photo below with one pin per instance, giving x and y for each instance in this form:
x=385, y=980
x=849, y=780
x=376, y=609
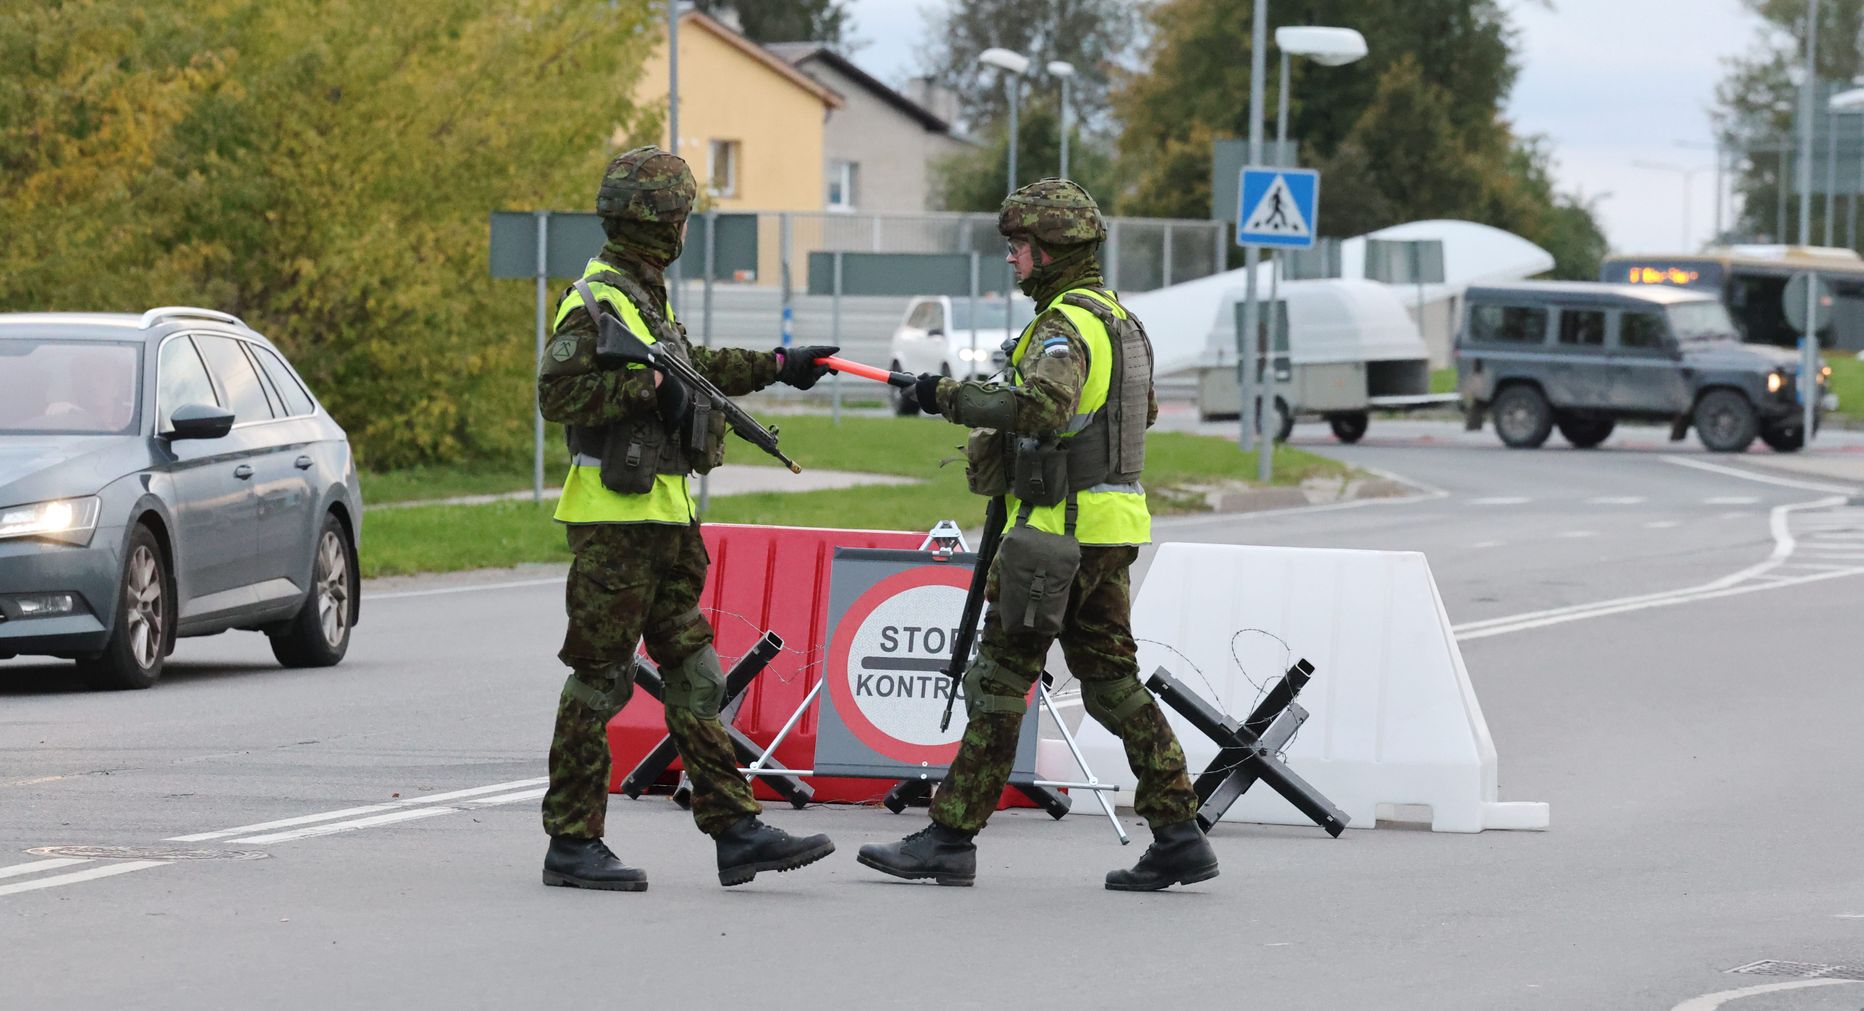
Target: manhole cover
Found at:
x=1799, y=970
x=144, y=853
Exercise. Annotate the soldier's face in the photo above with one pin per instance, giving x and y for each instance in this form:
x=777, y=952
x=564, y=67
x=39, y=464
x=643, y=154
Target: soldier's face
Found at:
x=1024, y=258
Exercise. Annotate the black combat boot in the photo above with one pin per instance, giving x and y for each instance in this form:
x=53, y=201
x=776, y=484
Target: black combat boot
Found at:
x=946, y=855
x=586, y=863
x=749, y=846
x=1179, y=855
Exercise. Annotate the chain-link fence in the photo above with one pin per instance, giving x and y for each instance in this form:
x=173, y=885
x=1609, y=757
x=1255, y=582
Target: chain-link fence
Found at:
x=1140, y=253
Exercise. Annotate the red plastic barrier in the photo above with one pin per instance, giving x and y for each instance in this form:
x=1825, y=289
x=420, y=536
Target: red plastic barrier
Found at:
x=772, y=578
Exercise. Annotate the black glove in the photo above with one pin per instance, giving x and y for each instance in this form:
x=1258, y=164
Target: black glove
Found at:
x=797, y=366
x=925, y=390
x=675, y=402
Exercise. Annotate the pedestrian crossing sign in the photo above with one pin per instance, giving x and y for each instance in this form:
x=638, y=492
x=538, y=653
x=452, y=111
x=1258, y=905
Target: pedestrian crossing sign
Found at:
x=1277, y=207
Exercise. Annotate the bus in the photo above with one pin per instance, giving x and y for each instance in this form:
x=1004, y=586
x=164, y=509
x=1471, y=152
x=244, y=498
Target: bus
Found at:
x=1751, y=281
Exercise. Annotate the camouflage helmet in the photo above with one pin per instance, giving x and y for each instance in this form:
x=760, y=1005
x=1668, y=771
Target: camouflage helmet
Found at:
x=1054, y=212
x=646, y=184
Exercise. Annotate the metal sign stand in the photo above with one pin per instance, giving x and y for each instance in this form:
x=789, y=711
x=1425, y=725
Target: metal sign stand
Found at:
x=1247, y=750
x=650, y=768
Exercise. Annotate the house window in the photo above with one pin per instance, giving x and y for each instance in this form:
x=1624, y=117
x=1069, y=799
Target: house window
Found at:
x=722, y=168
x=843, y=179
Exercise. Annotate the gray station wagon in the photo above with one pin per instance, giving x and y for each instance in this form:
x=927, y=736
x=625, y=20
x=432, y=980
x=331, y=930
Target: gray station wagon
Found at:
x=1581, y=356
x=167, y=475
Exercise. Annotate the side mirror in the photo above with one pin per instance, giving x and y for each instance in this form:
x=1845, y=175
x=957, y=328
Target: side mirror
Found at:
x=200, y=421
x=935, y=332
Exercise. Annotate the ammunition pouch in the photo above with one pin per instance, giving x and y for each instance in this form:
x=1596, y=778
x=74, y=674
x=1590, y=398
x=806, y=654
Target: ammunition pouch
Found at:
x=1040, y=472
x=1036, y=576
x=987, y=462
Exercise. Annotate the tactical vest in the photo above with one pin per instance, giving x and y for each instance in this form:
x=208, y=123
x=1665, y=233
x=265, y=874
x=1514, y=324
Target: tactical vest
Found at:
x=1084, y=481
x=632, y=452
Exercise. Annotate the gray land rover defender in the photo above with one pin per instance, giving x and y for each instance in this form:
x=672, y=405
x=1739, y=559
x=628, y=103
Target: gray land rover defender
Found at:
x=1580, y=356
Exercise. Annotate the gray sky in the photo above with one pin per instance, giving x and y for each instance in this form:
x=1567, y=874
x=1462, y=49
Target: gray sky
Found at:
x=1610, y=82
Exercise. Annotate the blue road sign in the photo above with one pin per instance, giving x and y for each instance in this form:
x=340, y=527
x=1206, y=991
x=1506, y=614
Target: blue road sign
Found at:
x=1277, y=207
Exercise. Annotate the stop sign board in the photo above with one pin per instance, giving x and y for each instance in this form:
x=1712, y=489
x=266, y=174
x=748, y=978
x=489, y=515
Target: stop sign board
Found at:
x=891, y=623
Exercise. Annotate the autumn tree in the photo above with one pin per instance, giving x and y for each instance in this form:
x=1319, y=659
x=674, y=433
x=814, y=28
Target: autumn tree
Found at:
x=824, y=21
x=324, y=172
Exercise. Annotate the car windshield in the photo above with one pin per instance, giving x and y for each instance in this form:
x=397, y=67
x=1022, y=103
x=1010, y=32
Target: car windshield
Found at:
x=1702, y=321
x=66, y=387
x=990, y=313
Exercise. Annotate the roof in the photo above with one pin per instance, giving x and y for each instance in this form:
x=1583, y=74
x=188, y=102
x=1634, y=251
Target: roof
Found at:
x=1783, y=257
x=782, y=67
x=115, y=325
x=799, y=53
x=1595, y=290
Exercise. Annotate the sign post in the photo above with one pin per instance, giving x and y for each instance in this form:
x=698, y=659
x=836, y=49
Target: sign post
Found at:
x=1807, y=305
x=1275, y=207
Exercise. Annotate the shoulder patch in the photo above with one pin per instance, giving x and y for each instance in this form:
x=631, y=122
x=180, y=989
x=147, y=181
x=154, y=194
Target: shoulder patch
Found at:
x=1056, y=346
x=563, y=348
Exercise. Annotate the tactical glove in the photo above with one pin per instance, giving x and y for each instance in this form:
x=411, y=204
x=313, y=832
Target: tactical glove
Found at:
x=925, y=390
x=798, y=367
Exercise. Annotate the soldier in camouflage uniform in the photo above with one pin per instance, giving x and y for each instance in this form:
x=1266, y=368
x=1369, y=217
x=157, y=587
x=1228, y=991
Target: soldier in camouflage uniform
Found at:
x=640, y=562
x=1079, y=386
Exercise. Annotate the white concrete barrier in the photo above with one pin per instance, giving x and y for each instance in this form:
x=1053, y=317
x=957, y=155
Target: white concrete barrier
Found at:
x=1394, y=720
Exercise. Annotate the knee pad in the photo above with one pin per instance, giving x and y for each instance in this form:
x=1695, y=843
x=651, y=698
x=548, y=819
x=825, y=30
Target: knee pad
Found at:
x=696, y=684
x=603, y=689
x=1006, y=692
x=1112, y=703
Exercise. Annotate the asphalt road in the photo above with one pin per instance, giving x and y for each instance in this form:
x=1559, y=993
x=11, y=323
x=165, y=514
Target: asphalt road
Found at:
x=1665, y=649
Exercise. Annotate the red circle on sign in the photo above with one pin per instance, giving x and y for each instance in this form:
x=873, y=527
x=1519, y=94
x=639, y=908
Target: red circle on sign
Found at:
x=845, y=706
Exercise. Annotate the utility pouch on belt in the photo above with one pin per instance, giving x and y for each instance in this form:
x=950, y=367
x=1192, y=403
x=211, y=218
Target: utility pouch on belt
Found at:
x=705, y=437
x=630, y=452
x=1040, y=472
x=1036, y=571
x=986, y=462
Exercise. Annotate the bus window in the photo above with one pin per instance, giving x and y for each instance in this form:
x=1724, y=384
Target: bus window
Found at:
x=1754, y=302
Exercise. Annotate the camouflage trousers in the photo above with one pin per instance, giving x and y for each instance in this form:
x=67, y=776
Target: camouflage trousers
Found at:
x=1097, y=640
x=629, y=582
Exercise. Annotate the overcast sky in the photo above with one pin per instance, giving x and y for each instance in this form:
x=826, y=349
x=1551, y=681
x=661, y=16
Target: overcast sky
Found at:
x=1610, y=82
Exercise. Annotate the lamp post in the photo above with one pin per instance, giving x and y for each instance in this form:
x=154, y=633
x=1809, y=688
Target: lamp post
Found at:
x=1329, y=47
x=1689, y=183
x=1721, y=186
x=1013, y=64
x=1064, y=70
x=1840, y=104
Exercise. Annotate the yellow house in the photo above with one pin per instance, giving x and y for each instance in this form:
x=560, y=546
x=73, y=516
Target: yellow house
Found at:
x=750, y=124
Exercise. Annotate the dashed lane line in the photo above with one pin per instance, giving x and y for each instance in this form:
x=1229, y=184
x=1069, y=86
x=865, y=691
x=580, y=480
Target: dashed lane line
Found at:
x=36, y=866
x=1617, y=500
x=105, y=871
x=352, y=825
x=1732, y=500
x=477, y=791
x=1500, y=500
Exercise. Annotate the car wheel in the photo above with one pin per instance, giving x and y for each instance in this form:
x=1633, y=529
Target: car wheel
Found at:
x=1784, y=440
x=1523, y=418
x=320, y=633
x=1585, y=433
x=1725, y=421
x=902, y=398
x=1349, y=427
x=133, y=656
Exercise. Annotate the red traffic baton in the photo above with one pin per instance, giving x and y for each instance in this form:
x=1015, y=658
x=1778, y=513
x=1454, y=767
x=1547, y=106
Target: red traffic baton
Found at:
x=879, y=375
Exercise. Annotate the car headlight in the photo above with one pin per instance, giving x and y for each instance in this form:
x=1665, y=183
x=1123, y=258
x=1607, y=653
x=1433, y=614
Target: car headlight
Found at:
x=71, y=520
x=1775, y=381
x=973, y=355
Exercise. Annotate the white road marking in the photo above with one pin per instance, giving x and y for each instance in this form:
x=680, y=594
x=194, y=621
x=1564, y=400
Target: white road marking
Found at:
x=1729, y=585
x=1732, y=500
x=105, y=871
x=39, y=865
x=552, y=581
x=1733, y=516
x=1709, y=1002
x=1748, y=475
x=1662, y=524
x=354, y=824
x=1617, y=500
x=1500, y=500
x=510, y=798
x=436, y=798
x=1488, y=544
x=1579, y=533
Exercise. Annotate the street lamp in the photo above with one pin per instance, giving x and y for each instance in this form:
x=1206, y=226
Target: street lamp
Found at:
x=1329, y=47
x=1064, y=70
x=1013, y=64
x=1689, y=183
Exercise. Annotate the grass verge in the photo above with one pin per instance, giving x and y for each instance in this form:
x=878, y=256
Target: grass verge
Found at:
x=1848, y=382
x=450, y=538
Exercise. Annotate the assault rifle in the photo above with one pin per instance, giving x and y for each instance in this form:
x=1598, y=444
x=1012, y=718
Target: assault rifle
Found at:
x=994, y=516
x=617, y=345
